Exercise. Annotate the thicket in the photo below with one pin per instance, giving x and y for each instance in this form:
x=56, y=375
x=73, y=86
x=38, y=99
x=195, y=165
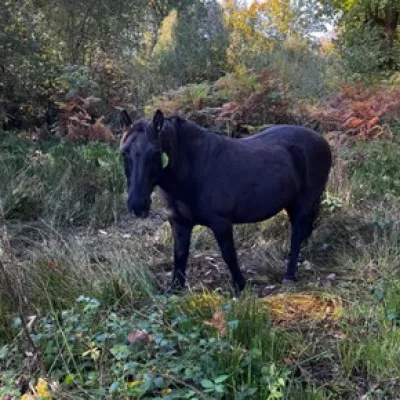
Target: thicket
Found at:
x=66, y=66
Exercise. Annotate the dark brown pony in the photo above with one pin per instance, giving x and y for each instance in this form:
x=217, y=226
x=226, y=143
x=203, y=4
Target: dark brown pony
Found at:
x=215, y=181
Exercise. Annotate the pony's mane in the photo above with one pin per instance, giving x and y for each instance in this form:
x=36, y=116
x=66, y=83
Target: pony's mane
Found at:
x=177, y=140
x=172, y=139
x=136, y=125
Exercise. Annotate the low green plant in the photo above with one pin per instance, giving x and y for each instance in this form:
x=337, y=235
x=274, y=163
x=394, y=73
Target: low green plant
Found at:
x=374, y=169
x=332, y=203
x=237, y=85
x=162, y=354
x=372, y=346
x=194, y=96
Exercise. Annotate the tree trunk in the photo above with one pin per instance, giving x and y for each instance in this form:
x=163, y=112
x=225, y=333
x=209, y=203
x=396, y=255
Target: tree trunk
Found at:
x=391, y=22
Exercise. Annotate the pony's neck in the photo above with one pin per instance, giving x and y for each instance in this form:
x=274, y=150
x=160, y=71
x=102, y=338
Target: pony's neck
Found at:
x=185, y=144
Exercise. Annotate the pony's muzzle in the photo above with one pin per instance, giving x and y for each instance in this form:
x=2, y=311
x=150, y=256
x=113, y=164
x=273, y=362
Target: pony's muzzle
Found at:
x=140, y=209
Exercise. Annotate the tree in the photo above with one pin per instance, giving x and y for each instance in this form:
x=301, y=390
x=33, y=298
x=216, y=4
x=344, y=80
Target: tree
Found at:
x=79, y=28
x=382, y=14
x=28, y=65
x=192, y=44
x=257, y=29
x=159, y=10
x=311, y=16
x=368, y=37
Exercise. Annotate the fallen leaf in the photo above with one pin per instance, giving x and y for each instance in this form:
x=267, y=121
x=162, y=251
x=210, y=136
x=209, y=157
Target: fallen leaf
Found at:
x=353, y=123
x=139, y=336
x=372, y=122
x=218, y=322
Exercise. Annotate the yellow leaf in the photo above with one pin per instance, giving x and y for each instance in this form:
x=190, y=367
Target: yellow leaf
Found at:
x=134, y=383
x=28, y=397
x=166, y=392
x=42, y=389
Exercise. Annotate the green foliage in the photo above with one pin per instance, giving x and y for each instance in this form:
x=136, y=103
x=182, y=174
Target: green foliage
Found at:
x=300, y=65
x=364, y=55
x=332, y=203
x=375, y=171
x=196, y=46
x=376, y=353
x=64, y=184
x=75, y=80
x=184, y=100
x=241, y=100
x=368, y=44
x=163, y=354
x=80, y=29
x=297, y=61
x=28, y=67
x=237, y=85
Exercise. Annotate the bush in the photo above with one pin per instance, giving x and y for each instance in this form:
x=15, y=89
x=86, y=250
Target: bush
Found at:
x=238, y=103
x=64, y=184
x=360, y=112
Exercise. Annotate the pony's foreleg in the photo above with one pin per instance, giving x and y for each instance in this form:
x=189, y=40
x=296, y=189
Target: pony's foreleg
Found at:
x=182, y=235
x=223, y=233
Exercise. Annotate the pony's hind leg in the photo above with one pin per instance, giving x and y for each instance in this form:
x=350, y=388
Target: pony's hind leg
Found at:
x=302, y=220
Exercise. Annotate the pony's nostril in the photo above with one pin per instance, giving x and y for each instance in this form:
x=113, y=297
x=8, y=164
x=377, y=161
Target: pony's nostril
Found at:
x=139, y=207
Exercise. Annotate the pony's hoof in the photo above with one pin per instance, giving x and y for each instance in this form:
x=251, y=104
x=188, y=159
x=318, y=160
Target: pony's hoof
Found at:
x=288, y=282
x=174, y=290
x=239, y=287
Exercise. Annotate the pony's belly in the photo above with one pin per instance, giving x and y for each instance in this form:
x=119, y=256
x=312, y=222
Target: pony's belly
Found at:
x=255, y=216
x=259, y=205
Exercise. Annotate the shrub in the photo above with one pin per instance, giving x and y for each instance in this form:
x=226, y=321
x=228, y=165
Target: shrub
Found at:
x=187, y=99
x=238, y=103
x=64, y=184
x=359, y=111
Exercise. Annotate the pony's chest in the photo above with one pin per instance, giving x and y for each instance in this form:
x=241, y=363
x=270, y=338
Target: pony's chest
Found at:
x=179, y=210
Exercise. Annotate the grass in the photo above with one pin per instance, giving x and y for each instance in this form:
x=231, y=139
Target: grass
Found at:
x=105, y=330
x=60, y=183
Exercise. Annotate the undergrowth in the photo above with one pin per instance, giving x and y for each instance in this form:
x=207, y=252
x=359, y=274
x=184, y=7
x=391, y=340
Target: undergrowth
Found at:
x=59, y=182
x=103, y=329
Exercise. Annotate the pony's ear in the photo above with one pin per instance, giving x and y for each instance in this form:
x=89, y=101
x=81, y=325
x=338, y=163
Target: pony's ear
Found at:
x=126, y=121
x=158, y=121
